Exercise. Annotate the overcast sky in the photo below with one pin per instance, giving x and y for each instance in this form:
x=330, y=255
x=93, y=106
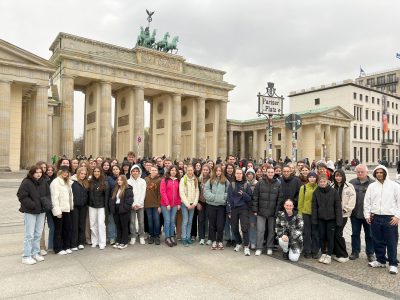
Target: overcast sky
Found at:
x=296, y=44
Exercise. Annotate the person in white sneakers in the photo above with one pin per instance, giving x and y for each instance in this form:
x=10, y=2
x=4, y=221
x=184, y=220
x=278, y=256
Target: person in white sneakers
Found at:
x=32, y=189
x=382, y=211
x=138, y=185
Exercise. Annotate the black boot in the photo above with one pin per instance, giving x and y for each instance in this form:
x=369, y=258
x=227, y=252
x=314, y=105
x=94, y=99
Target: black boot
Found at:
x=151, y=240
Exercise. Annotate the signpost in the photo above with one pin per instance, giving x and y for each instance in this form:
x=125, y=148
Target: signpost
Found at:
x=138, y=140
x=293, y=123
x=270, y=104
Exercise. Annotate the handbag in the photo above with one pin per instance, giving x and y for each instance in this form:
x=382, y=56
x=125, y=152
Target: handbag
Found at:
x=47, y=205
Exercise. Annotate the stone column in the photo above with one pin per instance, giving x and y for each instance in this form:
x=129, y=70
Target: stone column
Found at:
x=255, y=145
x=40, y=129
x=67, y=116
x=346, y=143
x=5, y=103
x=328, y=142
x=339, y=143
x=176, y=126
x=242, y=144
x=105, y=119
x=139, y=119
x=201, y=127
x=150, y=143
x=50, y=115
x=30, y=133
x=318, y=142
x=230, y=142
x=222, y=130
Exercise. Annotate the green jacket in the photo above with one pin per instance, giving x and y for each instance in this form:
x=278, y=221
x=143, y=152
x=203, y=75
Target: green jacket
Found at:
x=305, y=199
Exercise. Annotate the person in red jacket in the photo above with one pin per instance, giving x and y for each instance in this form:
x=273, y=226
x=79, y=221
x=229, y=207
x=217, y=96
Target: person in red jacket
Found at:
x=170, y=202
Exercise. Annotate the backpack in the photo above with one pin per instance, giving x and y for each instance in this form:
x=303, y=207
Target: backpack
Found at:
x=234, y=185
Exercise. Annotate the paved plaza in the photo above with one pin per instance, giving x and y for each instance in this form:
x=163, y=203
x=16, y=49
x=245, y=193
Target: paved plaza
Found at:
x=159, y=272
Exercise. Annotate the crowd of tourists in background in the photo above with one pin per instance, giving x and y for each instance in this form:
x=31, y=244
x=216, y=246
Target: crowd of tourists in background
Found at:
x=299, y=207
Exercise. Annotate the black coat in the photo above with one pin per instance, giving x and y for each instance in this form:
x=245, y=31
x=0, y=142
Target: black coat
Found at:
x=326, y=205
x=290, y=189
x=98, y=198
x=266, y=197
x=81, y=194
x=360, y=188
x=126, y=202
x=29, y=194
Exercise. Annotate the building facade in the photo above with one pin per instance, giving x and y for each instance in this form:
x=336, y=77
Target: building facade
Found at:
x=384, y=81
x=374, y=132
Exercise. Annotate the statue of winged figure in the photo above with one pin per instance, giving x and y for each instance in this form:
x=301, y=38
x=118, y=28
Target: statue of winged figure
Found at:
x=149, y=15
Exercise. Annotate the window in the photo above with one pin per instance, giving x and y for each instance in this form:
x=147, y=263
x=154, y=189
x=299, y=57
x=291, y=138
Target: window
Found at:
x=360, y=113
x=391, y=78
x=377, y=101
x=377, y=116
x=366, y=155
x=354, y=95
x=373, y=100
x=373, y=115
x=392, y=135
x=392, y=119
x=397, y=119
x=355, y=152
x=380, y=80
x=379, y=153
x=378, y=132
x=366, y=114
x=387, y=104
x=366, y=98
x=316, y=101
x=371, y=81
x=360, y=97
x=397, y=136
x=355, y=131
x=355, y=111
x=366, y=132
x=279, y=136
x=373, y=154
x=392, y=104
x=361, y=154
x=265, y=137
x=373, y=133
x=361, y=132
x=397, y=107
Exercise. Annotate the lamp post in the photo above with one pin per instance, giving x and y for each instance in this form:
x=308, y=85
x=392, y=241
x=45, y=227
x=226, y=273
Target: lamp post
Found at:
x=270, y=104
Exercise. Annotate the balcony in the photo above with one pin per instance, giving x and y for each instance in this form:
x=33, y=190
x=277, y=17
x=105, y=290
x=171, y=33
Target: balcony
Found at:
x=385, y=81
x=387, y=142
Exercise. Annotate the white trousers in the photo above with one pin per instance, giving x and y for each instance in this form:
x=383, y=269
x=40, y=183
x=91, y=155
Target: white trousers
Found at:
x=97, y=219
x=293, y=256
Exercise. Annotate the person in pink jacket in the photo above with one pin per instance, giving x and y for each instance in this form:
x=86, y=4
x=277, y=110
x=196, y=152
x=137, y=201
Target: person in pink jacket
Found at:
x=170, y=203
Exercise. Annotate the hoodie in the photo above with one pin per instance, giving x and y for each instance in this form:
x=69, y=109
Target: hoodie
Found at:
x=138, y=187
x=382, y=198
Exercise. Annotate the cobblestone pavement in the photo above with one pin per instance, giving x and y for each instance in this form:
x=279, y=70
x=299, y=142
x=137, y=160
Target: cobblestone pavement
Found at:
x=96, y=274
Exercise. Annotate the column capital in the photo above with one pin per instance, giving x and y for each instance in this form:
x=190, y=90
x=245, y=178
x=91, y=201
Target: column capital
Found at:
x=67, y=76
x=138, y=87
x=5, y=81
x=42, y=86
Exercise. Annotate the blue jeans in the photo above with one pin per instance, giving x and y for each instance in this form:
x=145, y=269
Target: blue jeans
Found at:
x=111, y=228
x=355, y=236
x=187, y=216
x=33, y=231
x=50, y=223
x=169, y=220
x=385, y=236
x=252, y=228
x=153, y=221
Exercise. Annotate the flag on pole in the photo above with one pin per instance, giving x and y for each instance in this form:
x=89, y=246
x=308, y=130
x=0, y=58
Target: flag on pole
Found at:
x=362, y=73
x=398, y=55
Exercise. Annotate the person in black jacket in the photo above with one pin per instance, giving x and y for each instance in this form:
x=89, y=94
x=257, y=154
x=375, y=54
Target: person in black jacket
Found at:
x=266, y=196
x=121, y=206
x=98, y=198
x=290, y=187
x=327, y=213
x=30, y=192
x=80, y=190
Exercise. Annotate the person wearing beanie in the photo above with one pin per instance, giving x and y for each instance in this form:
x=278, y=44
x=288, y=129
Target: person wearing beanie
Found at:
x=252, y=181
x=347, y=194
x=382, y=211
x=310, y=231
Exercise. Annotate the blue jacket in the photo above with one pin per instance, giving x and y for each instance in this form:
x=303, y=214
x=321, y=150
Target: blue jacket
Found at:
x=216, y=193
x=235, y=199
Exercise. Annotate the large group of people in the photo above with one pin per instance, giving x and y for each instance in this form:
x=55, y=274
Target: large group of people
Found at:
x=100, y=202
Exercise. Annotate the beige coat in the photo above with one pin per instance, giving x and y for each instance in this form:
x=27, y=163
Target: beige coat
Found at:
x=189, y=191
x=61, y=196
x=348, y=199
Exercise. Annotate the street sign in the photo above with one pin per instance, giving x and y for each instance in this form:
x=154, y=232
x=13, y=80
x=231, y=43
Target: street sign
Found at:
x=139, y=139
x=270, y=105
x=293, y=122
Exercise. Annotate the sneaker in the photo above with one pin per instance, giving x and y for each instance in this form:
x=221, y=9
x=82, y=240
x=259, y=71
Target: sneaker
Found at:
x=151, y=240
x=142, y=241
x=258, y=252
x=376, y=264
x=214, y=245
x=202, y=242
x=190, y=241
x=112, y=242
x=122, y=246
x=193, y=238
x=74, y=249
x=322, y=258
x=371, y=257
x=81, y=247
x=168, y=242
x=354, y=256
x=133, y=241
x=43, y=252
x=220, y=246
x=62, y=252
x=157, y=240
x=228, y=243
x=237, y=247
x=116, y=245
x=246, y=251
x=185, y=243
x=285, y=255
x=269, y=252
x=28, y=261
x=94, y=245
x=174, y=243
x=38, y=257
x=327, y=260
x=341, y=259
x=69, y=251
x=393, y=270
x=209, y=242
x=102, y=247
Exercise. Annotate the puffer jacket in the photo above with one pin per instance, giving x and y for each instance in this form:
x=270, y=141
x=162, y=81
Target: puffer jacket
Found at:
x=293, y=229
x=98, y=198
x=189, y=190
x=81, y=194
x=290, y=188
x=29, y=194
x=235, y=199
x=126, y=202
x=326, y=205
x=61, y=196
x=216, y=193
x=305, y=198
x=169, y=190
x=361, y=189
x=266, y=197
